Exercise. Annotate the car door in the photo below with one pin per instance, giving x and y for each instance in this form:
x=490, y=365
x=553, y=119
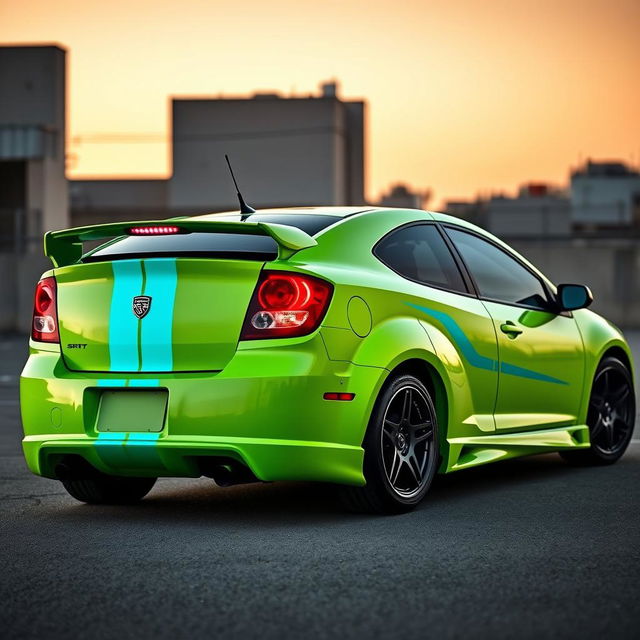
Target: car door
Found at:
x=440, y=295
x=540, y=351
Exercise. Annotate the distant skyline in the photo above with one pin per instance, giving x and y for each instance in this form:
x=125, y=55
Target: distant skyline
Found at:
x=464, y=97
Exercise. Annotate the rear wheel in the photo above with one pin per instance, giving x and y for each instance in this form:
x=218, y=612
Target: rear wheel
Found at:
x=100, y=488
x=401, y=451
x=611, y=415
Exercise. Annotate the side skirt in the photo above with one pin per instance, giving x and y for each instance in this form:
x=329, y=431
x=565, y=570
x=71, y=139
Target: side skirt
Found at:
x=477, y=450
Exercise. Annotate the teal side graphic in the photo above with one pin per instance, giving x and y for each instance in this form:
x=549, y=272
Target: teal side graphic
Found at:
x=156, y=335
x=459, y=337
x=473, y=357
x=514, y=370
x=123, y=324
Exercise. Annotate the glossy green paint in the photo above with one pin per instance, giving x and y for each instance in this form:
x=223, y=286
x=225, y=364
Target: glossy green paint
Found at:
x=211, y=299
x=262, y=401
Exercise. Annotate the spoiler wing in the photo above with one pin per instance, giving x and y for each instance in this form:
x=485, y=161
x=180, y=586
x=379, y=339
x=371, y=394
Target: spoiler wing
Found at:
x=65, y=247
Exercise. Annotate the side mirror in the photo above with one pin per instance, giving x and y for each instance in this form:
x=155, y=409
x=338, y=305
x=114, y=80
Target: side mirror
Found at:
x=573, y=296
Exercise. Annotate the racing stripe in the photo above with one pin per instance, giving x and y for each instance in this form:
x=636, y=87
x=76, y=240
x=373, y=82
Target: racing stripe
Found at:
x=144, y=382
x=123, y=324
x=156, y=335
x=110, y=448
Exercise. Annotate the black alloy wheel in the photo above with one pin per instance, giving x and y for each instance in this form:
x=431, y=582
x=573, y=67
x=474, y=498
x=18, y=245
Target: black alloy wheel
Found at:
x=401, y=450
x=406, y=438
x=610, y=417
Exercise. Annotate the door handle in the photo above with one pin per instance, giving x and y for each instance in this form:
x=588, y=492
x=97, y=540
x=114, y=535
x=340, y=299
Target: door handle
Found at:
x=510, y=329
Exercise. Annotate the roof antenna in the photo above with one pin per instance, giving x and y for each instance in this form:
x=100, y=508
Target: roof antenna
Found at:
x=245, y=209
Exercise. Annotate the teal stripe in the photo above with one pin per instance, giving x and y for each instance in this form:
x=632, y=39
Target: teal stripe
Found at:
x=473, y=357
x=138, y=439
x=110, y=448
x=459, y=337
x=157, y=326
x=111, y=383
x=143, y=382
x=112, y=437
x=123, y=324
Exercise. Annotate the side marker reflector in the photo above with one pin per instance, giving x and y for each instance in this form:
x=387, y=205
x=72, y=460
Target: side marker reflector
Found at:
x=345, y=397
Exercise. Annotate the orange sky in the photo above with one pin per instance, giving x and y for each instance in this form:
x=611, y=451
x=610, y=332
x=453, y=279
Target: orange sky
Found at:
x=464, y=96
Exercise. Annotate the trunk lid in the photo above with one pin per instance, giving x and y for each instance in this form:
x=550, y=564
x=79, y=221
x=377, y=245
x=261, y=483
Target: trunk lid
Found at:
x=153, y=315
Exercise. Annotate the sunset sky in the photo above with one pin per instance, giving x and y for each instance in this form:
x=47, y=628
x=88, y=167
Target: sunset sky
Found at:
x=464, y=96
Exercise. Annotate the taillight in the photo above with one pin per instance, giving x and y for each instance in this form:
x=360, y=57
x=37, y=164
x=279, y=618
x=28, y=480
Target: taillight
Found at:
x=44, y=326
x=286, y=305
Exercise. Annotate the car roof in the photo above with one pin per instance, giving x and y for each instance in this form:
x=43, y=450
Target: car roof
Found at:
x=338, y=212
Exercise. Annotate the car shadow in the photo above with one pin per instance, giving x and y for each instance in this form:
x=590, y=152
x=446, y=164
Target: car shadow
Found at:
x=202, y=502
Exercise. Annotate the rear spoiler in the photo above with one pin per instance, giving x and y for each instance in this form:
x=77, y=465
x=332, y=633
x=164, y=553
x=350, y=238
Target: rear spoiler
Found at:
x=65, y=247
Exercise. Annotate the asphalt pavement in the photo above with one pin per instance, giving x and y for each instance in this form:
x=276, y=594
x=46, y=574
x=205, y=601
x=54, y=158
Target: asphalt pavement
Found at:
x=527, y=548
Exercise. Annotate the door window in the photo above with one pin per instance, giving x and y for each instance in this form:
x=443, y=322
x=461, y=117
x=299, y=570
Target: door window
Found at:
x=418, y=252
x=497, y=275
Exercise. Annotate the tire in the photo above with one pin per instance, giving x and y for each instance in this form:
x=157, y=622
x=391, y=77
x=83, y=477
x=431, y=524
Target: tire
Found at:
x=611, y=416
x=99, y=488
x=400, y=450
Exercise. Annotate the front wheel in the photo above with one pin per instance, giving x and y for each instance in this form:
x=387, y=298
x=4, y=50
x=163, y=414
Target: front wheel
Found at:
x=400, y=450
x=611, y=416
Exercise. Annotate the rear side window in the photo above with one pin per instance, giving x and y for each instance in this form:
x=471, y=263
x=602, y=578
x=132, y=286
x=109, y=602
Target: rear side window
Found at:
x=418, y=252
x=211, y=245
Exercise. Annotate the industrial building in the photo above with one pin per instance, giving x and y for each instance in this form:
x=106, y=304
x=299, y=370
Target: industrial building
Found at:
x=605, y=194
x=34, y=193
x=286, y=151
x=33, y=185
x=538, y=210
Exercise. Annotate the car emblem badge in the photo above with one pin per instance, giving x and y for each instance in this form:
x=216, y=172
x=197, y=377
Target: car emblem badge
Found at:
x=141, y=305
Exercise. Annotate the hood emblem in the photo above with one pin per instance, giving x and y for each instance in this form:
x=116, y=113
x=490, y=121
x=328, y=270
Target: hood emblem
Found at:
x=141, y=305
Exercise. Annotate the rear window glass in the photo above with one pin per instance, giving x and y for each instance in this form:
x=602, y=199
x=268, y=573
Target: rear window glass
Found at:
x=211, y=245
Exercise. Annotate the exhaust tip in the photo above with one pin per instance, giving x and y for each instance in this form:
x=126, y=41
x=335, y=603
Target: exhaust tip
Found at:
x=226, y=472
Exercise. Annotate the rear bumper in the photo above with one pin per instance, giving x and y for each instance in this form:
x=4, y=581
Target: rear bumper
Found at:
x=265, y=410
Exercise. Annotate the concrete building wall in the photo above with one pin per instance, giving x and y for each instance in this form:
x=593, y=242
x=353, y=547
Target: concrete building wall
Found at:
x=293, y=151
x=32, y=130
x=604, y=200
x=33, y=186
x=32, y=83
x=529, y=216
x=99, y=201
x=356, y=113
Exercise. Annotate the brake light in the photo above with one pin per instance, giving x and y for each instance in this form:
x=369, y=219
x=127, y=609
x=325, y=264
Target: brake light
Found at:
x=44, y=326
x=164, y=230
x=286, y=305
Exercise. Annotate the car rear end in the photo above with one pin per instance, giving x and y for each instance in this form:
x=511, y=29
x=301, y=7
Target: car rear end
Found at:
x=187, y=349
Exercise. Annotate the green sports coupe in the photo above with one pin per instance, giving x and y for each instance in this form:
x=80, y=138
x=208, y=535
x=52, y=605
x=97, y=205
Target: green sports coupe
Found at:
x=368, y=348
